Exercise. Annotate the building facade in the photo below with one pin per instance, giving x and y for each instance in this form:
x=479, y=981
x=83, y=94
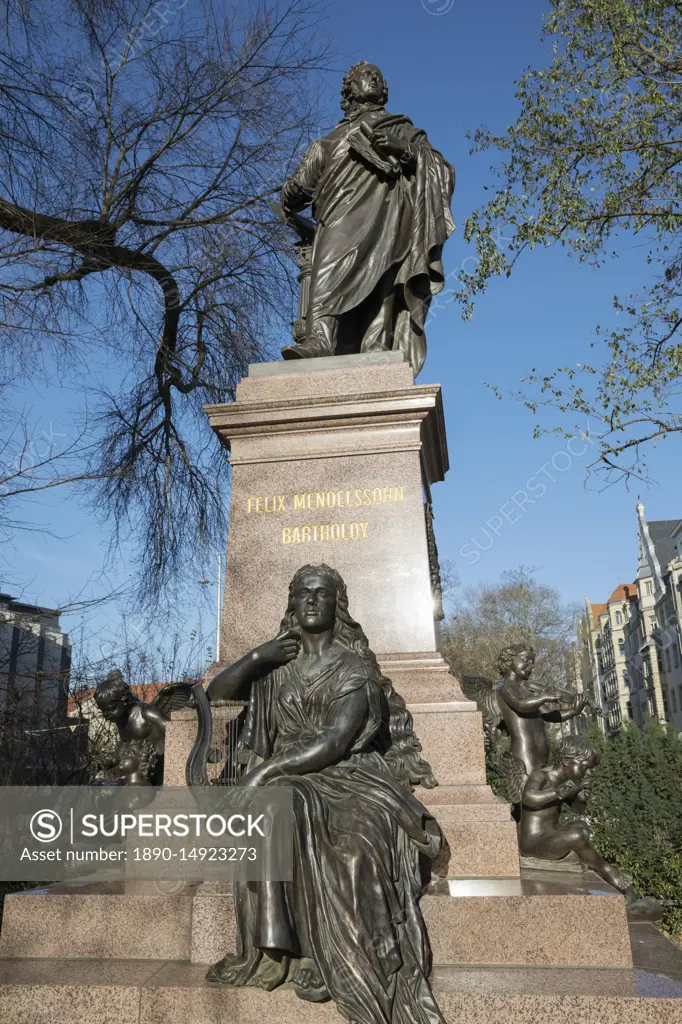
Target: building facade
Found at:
x=35, y=658
x=655, y=626
x=629, y=647
x=603, y=659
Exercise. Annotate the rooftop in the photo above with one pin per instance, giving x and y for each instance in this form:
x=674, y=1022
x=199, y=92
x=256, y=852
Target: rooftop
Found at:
x=623, y=592
x=28, y=609
x=597, y=610
x=663, y=535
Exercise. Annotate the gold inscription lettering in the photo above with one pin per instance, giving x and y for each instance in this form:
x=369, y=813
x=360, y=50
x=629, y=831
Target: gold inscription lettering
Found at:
x=273, y=503
x=324, y=532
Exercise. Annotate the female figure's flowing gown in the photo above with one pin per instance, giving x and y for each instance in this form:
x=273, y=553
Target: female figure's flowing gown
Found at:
x=360, y=839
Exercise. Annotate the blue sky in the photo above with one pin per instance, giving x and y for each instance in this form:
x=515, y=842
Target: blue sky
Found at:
x=451, y=66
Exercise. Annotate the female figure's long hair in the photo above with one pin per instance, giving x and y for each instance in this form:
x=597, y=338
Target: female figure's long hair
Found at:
x=399, y=745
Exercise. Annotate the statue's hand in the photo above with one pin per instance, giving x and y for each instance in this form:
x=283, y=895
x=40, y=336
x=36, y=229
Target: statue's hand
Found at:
x=388, y=144
x=282, y=649
x=566, y=789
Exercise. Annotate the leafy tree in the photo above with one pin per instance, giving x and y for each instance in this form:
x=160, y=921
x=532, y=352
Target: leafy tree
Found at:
x=140, y=262
x=517, y=609
x=635, y=810
x=595, y=154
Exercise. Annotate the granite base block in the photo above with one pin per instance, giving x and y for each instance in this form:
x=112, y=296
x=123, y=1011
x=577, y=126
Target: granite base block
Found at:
x=71, y=992
x=136, y=925
x=465, y=927
x=480, y=849
x=452, y=742
x=214, y=928
x=577, y=931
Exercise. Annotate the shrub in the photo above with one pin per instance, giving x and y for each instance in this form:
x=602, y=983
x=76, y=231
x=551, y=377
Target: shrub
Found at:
x=635, y=811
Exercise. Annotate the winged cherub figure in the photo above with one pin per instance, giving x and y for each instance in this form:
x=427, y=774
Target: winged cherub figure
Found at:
x=520, y=708
x=141, y=727
x=541, y=795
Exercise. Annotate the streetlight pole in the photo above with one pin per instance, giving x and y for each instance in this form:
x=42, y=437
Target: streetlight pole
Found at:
x=219, y=604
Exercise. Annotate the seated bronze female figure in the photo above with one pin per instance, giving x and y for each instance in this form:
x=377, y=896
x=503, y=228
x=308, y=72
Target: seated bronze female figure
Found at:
x=323, y=720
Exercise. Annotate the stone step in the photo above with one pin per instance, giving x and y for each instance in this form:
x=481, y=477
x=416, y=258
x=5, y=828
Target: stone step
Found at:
x=477, y=921
x=147, y=992
x=492, y=811
x=466, y=793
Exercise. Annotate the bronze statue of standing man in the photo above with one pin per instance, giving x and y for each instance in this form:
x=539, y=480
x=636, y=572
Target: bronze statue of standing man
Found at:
x=380, y=195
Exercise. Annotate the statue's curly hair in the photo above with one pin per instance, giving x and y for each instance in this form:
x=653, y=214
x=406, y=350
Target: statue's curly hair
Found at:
x=348, y=92
x=112, y=688
x=575, y=748
x=507, y=655
x=399, y=744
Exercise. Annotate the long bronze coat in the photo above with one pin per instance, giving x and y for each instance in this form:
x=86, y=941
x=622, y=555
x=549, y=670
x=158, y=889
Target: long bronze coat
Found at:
x=377, y=231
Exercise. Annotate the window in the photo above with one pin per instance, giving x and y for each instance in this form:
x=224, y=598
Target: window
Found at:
x=676, y=657
x=673, y=701
x=619, y=619
x=652, y=622
x=667, y=660
x=648, y=588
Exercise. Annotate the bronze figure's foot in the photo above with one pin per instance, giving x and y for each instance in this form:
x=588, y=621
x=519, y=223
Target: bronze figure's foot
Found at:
x=306, y=350
x=225, y=972
x=308, y=983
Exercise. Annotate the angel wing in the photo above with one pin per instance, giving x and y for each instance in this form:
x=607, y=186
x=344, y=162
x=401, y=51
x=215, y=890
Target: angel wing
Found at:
x=483, y=691
x=174, y=697
x=515, y=774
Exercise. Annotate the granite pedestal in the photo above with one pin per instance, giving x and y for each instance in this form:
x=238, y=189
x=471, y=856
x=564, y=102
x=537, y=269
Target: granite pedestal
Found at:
x=332, y=464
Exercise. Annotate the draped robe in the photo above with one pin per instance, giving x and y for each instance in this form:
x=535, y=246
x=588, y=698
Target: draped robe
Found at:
x=377, y=233
x=361, y=846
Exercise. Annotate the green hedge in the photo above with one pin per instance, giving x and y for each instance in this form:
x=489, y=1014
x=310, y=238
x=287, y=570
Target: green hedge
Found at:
x=635, y=811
